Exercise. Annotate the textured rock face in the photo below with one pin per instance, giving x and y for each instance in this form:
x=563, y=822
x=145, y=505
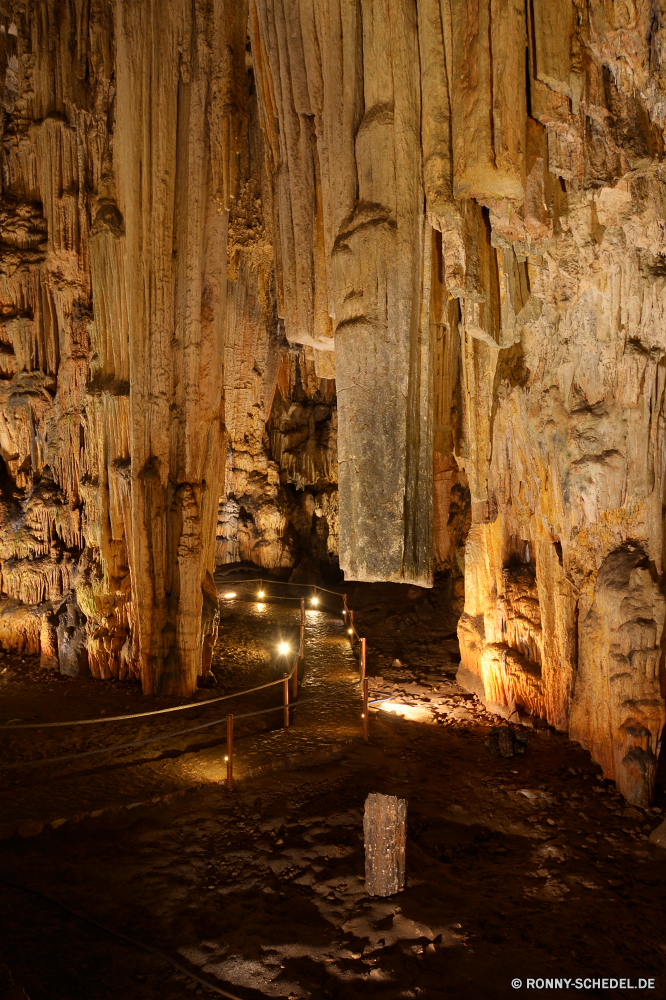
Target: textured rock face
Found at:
x=118, y=154
x=563, y=436
x=279, y=502
x=137, y=350
x=484, y=185
x=339, y=91
x=454, y=208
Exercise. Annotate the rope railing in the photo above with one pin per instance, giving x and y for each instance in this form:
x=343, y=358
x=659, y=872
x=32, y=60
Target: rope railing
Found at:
x=140, y=715
x=349, y=624
x=284, y=583
x=351, y=629
x=284, y=706
x=163, y=736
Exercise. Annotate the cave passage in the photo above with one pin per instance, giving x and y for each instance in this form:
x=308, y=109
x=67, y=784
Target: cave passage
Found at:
x=367, y=296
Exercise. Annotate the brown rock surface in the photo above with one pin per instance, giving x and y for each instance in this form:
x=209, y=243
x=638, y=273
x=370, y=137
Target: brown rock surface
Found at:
x=115, y=199
x=563, y=429
x=456, y=210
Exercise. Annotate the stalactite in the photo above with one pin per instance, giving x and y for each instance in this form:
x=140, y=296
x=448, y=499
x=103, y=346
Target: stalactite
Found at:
x=341, y=110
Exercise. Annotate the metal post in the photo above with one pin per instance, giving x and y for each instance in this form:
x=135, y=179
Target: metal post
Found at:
x=365, y=710
x=285, y=685
x=344, y=602
x=301, y=648
x=302, y=611
x=294, y=683
x=230, y=752
x=362, y=660
x=351, y=622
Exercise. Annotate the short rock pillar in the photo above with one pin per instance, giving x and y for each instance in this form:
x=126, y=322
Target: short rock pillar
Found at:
x=384, y=830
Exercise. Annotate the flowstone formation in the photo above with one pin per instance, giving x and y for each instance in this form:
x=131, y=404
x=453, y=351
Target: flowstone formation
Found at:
x=376, y=282
x=511, y=154
x=563, y=382
x=140, y=348
x=118, y=157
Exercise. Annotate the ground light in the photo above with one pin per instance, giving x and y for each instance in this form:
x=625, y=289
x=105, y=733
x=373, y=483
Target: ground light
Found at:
x=315, y=600
x=260, y=594
x=283, y=648
x=230, y=594
x=350, y=630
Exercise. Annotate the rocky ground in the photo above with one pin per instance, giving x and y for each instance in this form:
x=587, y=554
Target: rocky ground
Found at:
x=526, y=865
x=522, y=866
x=412, y=624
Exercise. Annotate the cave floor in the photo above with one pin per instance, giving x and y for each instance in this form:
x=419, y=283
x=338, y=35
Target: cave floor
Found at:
x=517, y=867
x=527, y=866
x=327, y=717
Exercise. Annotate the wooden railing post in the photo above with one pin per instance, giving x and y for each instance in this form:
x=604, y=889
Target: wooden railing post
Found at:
x=285, y=687
x=366, y=734
x=302, y=611
x=230, y=752
x=362, y=660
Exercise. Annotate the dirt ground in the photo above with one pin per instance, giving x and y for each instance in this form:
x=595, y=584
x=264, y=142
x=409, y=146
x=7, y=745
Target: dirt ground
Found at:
x=528, y=866
x=517, y=867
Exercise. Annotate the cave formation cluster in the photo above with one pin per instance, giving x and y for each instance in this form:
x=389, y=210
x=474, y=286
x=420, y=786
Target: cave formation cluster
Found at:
x=369, y=284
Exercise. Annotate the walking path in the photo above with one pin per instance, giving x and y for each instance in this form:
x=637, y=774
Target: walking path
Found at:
x=326, y=719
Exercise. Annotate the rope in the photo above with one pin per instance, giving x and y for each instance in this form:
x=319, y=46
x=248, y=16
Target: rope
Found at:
x=123, y=937
x=281, y=583
x=143, y=715
x=138, y=743
x=160, y=711
x=275, y=597
x=163, y=711
x=163, y=736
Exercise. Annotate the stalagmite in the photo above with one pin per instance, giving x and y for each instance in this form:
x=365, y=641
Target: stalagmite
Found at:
x=384, y=830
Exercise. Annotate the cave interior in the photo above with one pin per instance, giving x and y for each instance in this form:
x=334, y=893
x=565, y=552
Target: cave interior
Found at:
x=333, y=389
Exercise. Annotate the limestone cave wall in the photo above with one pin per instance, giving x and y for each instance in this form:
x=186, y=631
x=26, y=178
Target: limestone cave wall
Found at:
x=278, y=507
x=476, y=190
x=117, y=161
x=376, y=285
